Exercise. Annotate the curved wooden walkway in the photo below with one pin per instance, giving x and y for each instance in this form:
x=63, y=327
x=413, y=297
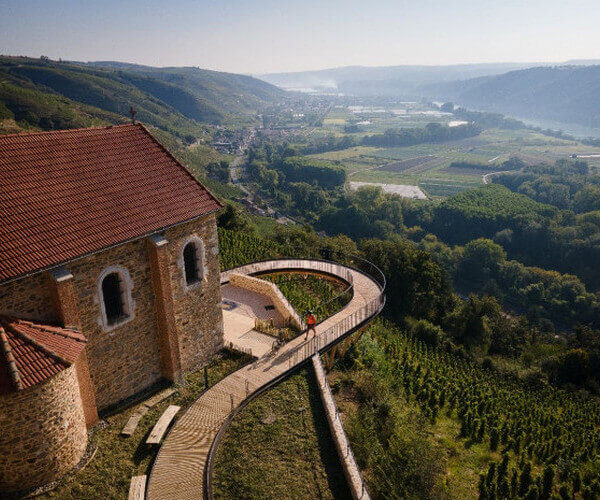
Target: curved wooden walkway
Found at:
x=179, y=469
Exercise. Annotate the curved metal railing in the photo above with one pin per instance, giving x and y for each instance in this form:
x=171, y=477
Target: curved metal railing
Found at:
x=304, y=351
x=344, y=271
x=323, y=265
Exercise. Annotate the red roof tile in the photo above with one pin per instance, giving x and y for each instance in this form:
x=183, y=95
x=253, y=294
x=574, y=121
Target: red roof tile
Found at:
x=32, y=352
x=64, y=194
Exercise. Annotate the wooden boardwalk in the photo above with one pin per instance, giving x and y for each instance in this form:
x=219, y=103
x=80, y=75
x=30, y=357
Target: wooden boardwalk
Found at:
x=179, y=469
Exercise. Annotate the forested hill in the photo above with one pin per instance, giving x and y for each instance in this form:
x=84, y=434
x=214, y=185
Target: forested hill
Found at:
x=560, y=93
x=52, y=95
x=361, y=80
x=235, y=93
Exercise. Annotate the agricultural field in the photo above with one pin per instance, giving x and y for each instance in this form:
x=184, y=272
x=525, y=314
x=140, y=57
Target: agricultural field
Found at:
x=377, y=119
x=428, y=165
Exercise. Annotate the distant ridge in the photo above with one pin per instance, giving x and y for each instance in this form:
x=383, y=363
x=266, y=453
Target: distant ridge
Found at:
x=567, y=94
x=410, y=75
x=395, y=80
x=55, y=94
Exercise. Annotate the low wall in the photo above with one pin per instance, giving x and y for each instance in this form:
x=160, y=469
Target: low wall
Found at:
x=351, y=470
x=270, y=290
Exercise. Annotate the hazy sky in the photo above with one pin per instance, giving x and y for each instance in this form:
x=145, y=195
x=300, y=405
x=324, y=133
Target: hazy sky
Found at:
x=255, y=36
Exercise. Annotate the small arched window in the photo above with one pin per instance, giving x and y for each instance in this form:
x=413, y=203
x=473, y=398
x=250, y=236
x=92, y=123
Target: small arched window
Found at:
x=112, y=295
x=192, y=262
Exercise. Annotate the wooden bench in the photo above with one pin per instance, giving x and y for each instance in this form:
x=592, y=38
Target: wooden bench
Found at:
x=131, y=424
x=137, y=488
x=158, y=431
x=142, y=409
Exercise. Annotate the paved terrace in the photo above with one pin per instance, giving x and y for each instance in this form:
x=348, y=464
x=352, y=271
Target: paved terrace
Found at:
x=240, y=308
x=179, y=469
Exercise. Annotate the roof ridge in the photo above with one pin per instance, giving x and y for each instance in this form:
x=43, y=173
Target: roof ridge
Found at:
x=10, y=360
x=65, y=131
x=180, y=164
x=46, y=350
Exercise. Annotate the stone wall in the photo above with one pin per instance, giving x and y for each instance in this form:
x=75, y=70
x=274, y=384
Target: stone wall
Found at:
x=42, y=432
x=198, y=315
x=268, y=289
x=28, y=298
x=351, y=469
x=126, y=359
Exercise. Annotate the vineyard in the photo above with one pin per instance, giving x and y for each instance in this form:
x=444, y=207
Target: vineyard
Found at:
x=536, y=442
x=495, y=201
x=312, y=293
x=402, y=165
x=237, y=249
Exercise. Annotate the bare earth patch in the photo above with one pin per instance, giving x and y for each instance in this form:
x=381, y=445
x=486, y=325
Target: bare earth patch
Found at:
x=403, y=190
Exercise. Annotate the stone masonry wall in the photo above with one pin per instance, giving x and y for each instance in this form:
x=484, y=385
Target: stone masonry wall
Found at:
x=198, y=315
x=28, y=298
x=264, y=287
x=124, y=360
x=42, y=432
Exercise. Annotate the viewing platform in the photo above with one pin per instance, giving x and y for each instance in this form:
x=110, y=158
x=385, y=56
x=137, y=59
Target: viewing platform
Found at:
x=183, y=465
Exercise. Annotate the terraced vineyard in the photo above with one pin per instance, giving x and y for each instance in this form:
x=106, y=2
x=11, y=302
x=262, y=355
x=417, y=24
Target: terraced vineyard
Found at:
x=540, y=441
x=236, y=249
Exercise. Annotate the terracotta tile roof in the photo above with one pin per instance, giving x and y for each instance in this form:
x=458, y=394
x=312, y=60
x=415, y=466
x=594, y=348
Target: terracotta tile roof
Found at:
x=64, y=194
x=32, y=352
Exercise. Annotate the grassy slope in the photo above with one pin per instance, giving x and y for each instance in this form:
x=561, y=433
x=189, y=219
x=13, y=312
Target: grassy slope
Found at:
x=22, y=107
x=279, y=446
x=238, y=94
x=119, y=458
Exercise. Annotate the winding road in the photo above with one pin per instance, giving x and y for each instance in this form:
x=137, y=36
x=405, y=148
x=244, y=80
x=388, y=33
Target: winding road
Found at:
x=180, y=470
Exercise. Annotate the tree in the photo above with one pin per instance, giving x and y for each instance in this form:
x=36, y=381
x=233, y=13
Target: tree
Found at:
x=417, y=285
x=469, y=323
x=426, y=331
x=587, y=199
x=234, y=219
x=481, y=260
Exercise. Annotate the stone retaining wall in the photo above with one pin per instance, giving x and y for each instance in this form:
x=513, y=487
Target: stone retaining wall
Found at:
x=270, y=290
x=351, y=470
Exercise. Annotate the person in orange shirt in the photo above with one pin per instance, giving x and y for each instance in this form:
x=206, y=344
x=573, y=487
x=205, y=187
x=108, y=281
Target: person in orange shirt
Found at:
x=311, y=321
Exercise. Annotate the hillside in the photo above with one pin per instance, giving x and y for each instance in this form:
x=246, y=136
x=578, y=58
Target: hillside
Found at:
x=362, y=80
x=561, y=93
x=177, y=100
x=220, y=93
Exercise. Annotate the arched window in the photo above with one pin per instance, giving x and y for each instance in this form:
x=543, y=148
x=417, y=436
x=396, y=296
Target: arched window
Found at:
x=114, y=294
x=192, y=262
